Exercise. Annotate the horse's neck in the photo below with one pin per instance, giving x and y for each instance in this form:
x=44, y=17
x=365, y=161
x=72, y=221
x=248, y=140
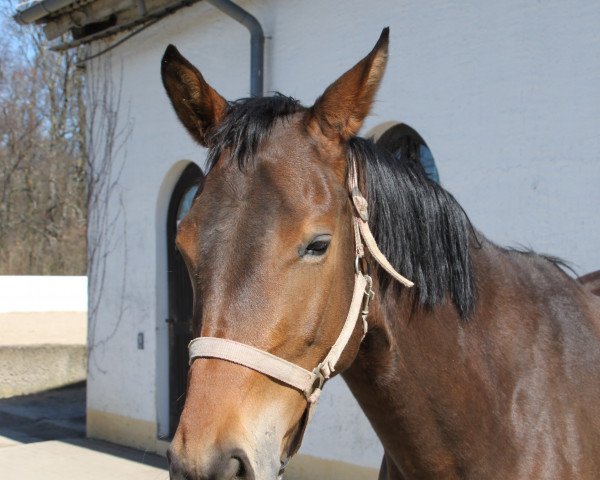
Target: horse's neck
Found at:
x=406, y=380
x=427, y=381
x=440, y=391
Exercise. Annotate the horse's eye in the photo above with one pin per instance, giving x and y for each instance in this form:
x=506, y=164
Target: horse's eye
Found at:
x=318, y=245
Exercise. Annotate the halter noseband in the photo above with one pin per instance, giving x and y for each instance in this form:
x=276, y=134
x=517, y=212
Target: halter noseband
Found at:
x=310, y=383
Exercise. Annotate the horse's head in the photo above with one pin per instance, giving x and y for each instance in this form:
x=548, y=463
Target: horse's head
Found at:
x=269, y=246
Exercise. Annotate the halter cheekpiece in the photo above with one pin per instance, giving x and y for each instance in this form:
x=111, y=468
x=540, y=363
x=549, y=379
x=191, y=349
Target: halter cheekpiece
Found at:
x=310, y=383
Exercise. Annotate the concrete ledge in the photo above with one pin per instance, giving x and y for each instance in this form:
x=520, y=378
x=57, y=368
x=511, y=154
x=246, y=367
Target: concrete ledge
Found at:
x=35, y=368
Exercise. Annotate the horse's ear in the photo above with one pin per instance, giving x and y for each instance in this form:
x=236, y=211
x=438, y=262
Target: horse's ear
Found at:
x=199, y=107
x=340, y=111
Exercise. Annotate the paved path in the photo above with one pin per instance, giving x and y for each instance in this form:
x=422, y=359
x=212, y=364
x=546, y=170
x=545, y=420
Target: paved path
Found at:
x=42, y=435
x=79, y=459
x=51, y=415
x=42, y=438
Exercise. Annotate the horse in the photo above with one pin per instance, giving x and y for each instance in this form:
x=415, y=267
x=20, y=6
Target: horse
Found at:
x=488, y=367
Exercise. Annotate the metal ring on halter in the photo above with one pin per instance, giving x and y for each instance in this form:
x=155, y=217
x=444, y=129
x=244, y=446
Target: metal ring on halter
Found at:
x=366, y=269
x=319, y=380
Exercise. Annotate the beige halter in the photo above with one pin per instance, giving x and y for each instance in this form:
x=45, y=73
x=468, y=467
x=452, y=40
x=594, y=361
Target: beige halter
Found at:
x=310, y=383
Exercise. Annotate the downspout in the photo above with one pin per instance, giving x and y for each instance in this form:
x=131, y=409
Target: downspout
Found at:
x=257, y=42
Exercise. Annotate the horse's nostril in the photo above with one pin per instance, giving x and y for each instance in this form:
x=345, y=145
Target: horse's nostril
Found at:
x=175, y=468
x=232, y=469
x=237, y=467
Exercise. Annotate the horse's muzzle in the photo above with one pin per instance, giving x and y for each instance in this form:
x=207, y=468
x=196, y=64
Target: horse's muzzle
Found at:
x=231, y=465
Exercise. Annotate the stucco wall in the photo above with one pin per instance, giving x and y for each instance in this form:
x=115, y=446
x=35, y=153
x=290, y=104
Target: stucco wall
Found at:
x=505, y=93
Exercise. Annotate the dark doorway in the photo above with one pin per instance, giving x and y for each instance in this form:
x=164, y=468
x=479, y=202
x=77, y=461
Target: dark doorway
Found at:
x=180, y=293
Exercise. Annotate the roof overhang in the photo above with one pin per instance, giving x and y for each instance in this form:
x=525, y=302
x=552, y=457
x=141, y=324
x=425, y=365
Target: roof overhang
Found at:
x=30, y=12
x=88, y=20
x=85, y=21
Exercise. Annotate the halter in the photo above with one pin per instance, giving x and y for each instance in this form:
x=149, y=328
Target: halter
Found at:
x=310, y=383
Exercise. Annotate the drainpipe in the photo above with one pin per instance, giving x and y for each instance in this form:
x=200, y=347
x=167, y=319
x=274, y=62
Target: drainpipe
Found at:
x=257, y=42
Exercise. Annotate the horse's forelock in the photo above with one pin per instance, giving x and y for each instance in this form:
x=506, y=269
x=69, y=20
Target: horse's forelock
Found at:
x=246, y=126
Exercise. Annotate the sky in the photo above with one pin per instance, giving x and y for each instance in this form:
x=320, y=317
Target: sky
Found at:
x=13, y=35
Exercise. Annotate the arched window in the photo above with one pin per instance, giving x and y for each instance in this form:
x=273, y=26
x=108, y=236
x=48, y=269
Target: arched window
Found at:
x=180, y=293
x=406, y=144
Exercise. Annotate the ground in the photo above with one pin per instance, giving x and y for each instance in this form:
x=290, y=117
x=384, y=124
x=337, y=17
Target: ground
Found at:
x=42, y=436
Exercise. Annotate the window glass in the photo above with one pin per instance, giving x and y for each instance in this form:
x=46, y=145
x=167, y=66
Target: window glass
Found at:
x=186, y=202
x=407, y=145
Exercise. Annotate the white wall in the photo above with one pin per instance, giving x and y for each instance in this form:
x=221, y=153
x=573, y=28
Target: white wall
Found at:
x=507, y=95
x=31, y=293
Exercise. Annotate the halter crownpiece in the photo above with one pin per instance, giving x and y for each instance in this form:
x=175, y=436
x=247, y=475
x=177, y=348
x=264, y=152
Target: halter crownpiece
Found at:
x=361, y=229
x=310, y=383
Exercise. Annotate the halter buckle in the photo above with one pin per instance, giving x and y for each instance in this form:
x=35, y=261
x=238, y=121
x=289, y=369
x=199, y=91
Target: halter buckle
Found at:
x=360, y=204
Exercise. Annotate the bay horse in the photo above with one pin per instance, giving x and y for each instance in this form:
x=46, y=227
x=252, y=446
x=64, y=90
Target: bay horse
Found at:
x=489, y=367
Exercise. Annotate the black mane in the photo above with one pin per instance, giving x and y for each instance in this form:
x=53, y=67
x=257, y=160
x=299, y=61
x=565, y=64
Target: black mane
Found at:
x=419, y=226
